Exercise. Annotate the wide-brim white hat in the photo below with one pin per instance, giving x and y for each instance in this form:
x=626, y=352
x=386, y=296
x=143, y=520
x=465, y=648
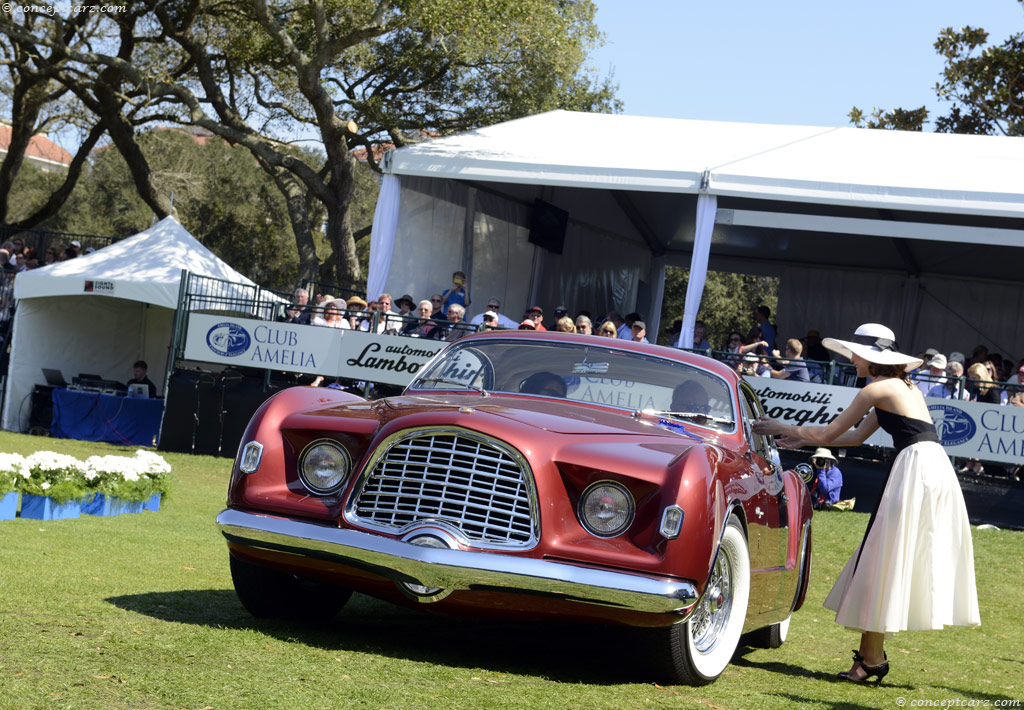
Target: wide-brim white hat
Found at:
x=875, y=343
x=822, y=453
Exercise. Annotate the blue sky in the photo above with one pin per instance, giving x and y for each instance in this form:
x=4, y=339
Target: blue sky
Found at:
x=790, y=61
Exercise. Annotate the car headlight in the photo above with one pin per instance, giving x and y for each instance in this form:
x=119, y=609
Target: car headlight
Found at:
x=323, y=466
x=606, y=509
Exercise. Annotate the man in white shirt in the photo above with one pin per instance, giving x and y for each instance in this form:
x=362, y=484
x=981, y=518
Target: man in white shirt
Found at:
x=493, y=304
x=948, y=388
x=935, y=371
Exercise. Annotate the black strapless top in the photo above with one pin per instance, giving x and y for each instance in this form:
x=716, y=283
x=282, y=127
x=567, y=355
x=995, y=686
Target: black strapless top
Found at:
x=904, y=430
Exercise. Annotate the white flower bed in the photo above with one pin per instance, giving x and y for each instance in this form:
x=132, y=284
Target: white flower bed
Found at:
x=64, y=477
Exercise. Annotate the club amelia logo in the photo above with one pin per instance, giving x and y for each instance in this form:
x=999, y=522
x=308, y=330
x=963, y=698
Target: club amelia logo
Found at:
x=953, y=425
x=228, y=339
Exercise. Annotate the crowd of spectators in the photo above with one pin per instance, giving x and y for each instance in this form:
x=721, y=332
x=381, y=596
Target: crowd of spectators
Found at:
x=17, y=256
x=443, y=316
x=983, y=377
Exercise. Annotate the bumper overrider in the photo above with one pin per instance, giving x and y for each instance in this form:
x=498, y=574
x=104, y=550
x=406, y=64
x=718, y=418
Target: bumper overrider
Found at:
x=438, y=572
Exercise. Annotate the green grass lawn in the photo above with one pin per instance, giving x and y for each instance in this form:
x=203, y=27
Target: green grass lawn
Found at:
x=138, y=611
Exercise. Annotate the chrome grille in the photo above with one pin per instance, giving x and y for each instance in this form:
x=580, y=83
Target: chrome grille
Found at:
x=479, y=485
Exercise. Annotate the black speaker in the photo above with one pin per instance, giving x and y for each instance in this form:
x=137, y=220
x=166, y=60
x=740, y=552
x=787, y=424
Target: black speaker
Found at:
x=41, y=415
x=189, y=414
x=547, y=226
x=242, y=397
x=207, y=414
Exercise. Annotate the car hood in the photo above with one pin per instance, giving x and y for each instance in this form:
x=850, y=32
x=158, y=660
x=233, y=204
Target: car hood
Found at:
x=549, y=415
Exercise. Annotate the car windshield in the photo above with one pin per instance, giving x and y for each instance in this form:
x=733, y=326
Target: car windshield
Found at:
x=584, y=373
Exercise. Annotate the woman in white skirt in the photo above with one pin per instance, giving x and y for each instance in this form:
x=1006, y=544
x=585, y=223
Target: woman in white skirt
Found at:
x=914, y=569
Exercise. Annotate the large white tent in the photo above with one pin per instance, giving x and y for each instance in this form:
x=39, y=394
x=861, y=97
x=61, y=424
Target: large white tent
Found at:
x=919, y=230
x=101, y=312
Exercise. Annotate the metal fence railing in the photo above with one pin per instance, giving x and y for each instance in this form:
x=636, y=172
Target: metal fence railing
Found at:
x=206, y=294
x=211, y=295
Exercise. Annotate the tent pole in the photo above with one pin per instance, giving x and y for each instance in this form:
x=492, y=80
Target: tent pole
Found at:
x=657, y=281
x=707, y=206
x=467, y=233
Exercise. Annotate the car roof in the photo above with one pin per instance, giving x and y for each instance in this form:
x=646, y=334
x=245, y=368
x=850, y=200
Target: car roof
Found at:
x=700, y=361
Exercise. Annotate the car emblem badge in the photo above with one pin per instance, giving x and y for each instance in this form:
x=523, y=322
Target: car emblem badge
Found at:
x=466, y=410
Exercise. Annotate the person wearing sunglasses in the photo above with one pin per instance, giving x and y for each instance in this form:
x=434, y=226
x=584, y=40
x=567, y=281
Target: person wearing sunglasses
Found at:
x=735, y=345
x=827, y=481
x=494, y=306
x=422, y=326
x=437, y=304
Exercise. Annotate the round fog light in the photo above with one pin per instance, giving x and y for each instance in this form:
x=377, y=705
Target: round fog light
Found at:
x=606, y=509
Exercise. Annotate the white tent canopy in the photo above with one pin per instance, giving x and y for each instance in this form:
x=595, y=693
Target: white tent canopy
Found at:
x=101, y=312
x=931, y=172
x=859, y=224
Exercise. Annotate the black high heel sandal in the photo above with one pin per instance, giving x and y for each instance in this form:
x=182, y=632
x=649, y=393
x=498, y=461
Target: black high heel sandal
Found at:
x=877, y=672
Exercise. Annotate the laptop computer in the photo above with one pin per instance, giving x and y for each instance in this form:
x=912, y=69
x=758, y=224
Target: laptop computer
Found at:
x=54, y=378
x=138, y=391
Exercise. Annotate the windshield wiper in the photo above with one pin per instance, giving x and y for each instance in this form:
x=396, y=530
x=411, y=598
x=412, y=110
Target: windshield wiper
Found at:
x=698, y=417
x=479, y=390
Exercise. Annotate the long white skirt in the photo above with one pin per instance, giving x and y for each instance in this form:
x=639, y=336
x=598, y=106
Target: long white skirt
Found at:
x=916, y=571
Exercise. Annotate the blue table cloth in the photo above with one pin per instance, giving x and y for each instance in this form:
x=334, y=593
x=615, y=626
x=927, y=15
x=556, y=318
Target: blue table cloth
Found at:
x=91, y=416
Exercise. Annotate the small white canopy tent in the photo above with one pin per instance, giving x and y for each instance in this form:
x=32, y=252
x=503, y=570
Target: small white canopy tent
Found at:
x=101, y=312
x=919, y=230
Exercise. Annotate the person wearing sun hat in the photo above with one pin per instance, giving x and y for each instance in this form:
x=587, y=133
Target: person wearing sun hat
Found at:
x=914, y=569
x=828, y=479
x=934, y=372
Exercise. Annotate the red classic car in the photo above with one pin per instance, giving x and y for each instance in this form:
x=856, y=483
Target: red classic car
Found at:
x=536, y=474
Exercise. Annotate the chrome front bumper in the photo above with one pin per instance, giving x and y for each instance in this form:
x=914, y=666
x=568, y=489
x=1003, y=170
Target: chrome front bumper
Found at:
x=453, y=570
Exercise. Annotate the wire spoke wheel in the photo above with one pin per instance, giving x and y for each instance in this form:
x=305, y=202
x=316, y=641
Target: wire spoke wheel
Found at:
x=712, y=616
x=699, y=650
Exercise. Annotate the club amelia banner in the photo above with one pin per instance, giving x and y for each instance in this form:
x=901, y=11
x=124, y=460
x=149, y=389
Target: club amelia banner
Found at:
x=989, y=432
x=312, y=350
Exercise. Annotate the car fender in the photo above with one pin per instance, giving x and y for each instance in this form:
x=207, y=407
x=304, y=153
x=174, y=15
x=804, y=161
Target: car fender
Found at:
x=798, y=555
x=265, y=428
x=707, y=505
x=798, y=511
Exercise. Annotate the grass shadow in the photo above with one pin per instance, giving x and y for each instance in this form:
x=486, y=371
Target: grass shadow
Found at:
x=561, y=651
x=992, y=698
x=786, y=700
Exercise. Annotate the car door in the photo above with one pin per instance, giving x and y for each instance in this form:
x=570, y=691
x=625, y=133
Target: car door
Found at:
x=768, y=530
